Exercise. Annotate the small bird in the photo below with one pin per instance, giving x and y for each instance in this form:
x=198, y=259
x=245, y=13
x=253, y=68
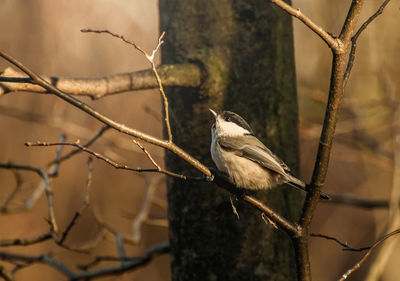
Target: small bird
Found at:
x=245, y=159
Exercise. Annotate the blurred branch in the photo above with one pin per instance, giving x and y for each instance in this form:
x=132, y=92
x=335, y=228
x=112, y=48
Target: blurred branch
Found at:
x=85, y=203
x=141, y=217
x=49, y=192
x=17, y=188
x=73, y=152
x=380, y=260
x=68, y=127
x=53, y=227
x=354, y=201
x=184, y=75
x=127, y=264
x=6, y=276
x=143, y=214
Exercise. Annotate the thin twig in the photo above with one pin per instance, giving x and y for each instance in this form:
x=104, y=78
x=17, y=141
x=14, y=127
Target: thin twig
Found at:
x=332, y=42
x=106, y=159
x=50, y=205
x=351, y=200
x=17, y=188
x=87, y=144
x=157, y=249
x=49, y=193
x=345, y=245
x=143, y=214
x=25, y=241
x=105, y=120
x=150, y=58
x=85, y=203
x=358, y=264
x=159, y=169
x=128, y=264
x=354, y=39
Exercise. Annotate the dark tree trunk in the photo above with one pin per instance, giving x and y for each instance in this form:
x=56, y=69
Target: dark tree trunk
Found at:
x=245, y=48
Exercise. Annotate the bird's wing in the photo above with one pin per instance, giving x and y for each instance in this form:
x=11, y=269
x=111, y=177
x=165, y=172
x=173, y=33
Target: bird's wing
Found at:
x=254, y=150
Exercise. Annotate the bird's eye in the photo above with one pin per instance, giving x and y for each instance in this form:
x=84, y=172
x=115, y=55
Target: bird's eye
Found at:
x=227, y=119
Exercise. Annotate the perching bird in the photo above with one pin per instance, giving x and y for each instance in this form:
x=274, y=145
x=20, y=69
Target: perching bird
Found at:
x=245, y=159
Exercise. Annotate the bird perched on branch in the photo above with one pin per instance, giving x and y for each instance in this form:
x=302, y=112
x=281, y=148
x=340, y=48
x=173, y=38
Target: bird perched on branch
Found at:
x=245, y=159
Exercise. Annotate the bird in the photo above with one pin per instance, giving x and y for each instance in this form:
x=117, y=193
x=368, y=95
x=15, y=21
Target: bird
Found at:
x=247, y=162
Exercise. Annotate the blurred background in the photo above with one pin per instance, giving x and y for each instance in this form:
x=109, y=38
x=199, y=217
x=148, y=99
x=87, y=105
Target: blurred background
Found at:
x=45, y=36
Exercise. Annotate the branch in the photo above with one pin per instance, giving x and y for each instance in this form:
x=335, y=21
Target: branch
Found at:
x=105, y=120
x=345, y=199
x=108, y=160
x=332, y=42
x=336, y=91
x=354, y=39
x=49, y=192
x=150, y=58
x=85, y=203
x=52, y=233
x=127, y=264
x=292, y=229
x=358, y=264
x=345, y=245
x=182, y=75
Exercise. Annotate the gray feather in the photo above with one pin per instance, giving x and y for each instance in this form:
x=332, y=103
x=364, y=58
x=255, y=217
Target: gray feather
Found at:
x=254, y=150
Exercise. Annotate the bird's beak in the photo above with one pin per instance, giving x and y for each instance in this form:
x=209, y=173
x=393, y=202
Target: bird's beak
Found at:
x=213, y=112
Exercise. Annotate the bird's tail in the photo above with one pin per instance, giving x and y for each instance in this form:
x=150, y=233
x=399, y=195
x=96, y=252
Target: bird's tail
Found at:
x=301, y=185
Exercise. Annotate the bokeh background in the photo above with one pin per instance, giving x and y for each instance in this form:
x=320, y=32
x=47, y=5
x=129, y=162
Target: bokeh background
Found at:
x=45, y=36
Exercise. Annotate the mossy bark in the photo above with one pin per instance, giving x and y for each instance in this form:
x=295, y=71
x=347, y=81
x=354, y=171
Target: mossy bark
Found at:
x=245, y=48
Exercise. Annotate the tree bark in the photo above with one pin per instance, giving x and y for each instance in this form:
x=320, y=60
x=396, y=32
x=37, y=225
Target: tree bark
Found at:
x=245, y=49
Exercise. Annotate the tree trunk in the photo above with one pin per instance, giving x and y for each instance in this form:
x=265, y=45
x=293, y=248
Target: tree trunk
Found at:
x=245, y=48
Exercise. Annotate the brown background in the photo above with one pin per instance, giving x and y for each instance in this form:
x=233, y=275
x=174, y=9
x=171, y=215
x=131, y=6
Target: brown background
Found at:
x=45, y=36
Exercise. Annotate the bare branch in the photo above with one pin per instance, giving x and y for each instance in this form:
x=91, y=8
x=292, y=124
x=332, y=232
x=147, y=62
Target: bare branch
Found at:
x=183, y=75
x=25, y=241
x=87, y=144
x=345, y=245
x=358, y=264
x=159, y=169
x=117, y=126
x=382, y=257
x=129, y=263
x=106, y=159
x=49, y=193
x=18, y=184
x=354, y=39
x=143, y=214
x=150, y=58
x=6, y=276
x=332, y=42
x=84, y=204
x=346, y=199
